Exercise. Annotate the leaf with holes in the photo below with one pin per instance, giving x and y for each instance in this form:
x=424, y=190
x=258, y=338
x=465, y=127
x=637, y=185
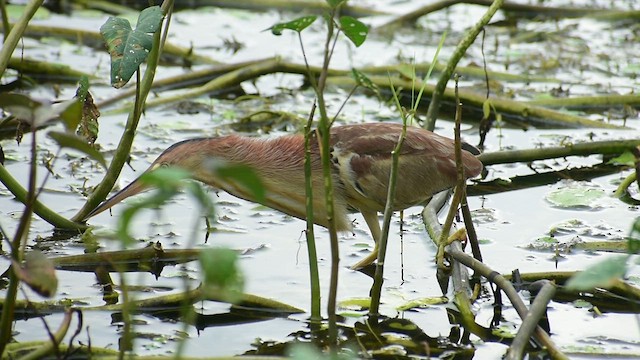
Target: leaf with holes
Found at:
x=354, y=29
x=296, y=25
x=128, y=47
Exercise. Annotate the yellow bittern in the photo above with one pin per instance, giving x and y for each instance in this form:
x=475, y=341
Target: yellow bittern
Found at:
x=361, y=164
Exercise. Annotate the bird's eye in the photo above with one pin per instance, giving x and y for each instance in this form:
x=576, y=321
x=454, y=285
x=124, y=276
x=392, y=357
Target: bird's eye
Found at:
x=164, y=165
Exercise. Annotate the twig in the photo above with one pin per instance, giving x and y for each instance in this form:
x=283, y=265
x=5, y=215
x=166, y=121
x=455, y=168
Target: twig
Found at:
x=530, y=322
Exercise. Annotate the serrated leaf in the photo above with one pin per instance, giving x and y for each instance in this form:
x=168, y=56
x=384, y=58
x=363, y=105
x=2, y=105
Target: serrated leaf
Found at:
x=77, y=143
x=38, y=272
x=129, y=48
x=296, y=25
x=602, y=274
x=354, y=29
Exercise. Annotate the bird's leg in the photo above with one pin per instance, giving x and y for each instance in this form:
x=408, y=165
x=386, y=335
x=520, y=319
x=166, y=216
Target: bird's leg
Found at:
x=371, y=218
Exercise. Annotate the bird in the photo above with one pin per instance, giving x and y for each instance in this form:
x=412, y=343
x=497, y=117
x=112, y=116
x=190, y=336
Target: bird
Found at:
x=361, y=163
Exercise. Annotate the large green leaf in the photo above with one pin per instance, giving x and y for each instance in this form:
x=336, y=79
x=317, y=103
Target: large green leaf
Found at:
x=354, y=29
x=128, y=47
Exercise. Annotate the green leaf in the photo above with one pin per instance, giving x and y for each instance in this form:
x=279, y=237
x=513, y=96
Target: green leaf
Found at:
x=354, y=29
x=335, y=3
x=486, y=109
x=222, y=274
x=357, y=303
x=575, y=196
x=33, y=112
x=129, y=48
x=601, y=274
x=241, y=175
x=149, y=20
x=75, y=142
x=296, y=25
x=71, y=115
x=38, y=272
x=362, y=80
x=626, y=158
x=422, y=303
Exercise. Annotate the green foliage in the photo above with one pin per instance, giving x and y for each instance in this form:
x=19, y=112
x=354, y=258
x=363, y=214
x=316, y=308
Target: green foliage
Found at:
x=626, y=158
x=69, y=140
x=241, y=175
x=601, y=274
x=335, y=3
x=38, y=272
x=362, y=80
x=37, y=113
x=296, y=25
x=221, y=273
x=168, y=182
x=354, y=29
x=128, y=47
x=576, y=196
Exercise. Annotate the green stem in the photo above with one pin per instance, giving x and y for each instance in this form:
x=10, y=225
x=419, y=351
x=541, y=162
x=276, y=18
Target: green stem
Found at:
x=126, y=141
x=39, y=208
x=17, y=249
x=434, y=106
x=314, y=276
x=11, y=41
x=610, y=147
x=324, y=129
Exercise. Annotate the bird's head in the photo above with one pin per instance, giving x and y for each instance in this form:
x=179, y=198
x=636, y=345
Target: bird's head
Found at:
x=187, y=155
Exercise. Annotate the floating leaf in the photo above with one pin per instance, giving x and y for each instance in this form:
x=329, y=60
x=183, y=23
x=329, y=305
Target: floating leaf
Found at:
x=129, y=48
x=422, y=303
x=575, y=196
x=602, y=274
x=296, y=25
x=221, y=273
x=38, y=272
x=77, y=143
x=355, y=303
x=354, y=29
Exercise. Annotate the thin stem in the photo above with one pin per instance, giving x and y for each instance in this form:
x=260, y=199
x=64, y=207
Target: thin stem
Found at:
x=17, y=249
x=458, y=53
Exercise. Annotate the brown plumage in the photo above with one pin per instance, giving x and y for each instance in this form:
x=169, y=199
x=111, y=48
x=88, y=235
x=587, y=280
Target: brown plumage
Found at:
x=361, y=158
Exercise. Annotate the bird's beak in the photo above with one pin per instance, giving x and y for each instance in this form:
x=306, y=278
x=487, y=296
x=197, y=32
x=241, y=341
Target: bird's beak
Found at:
x=133, y=188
